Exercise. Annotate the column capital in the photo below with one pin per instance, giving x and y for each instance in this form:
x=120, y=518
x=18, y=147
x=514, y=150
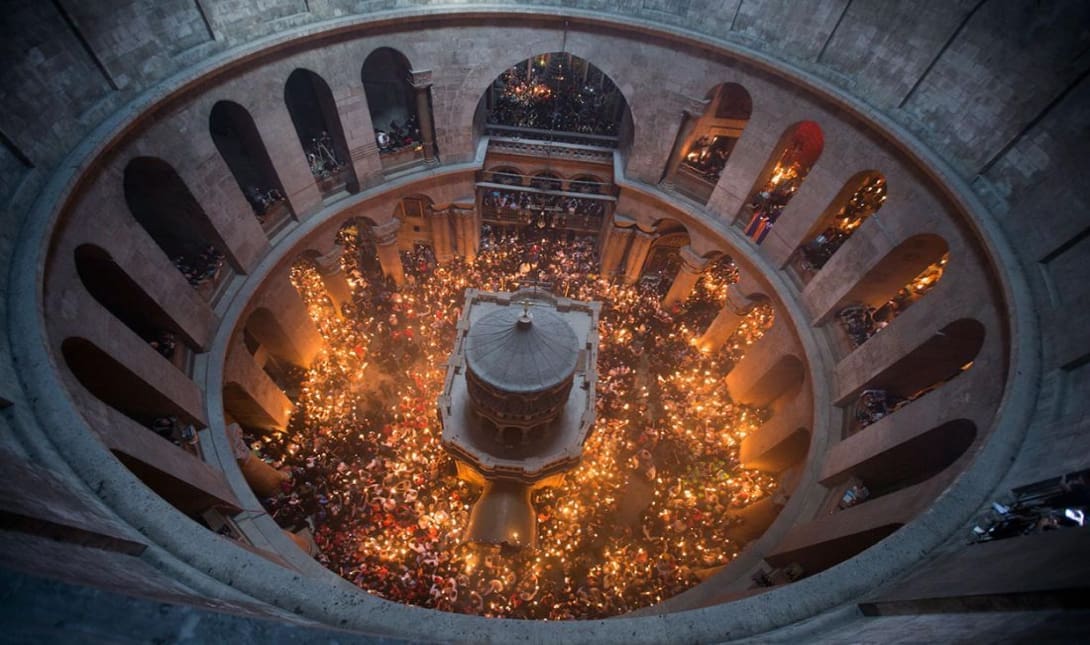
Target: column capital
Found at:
x=693, y=107
x=386, y=233
x=691, y=261
x=420, y=79
x=623, y=221
x=330, y=262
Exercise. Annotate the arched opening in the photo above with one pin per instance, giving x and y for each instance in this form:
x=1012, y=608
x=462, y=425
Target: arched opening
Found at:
x=121, y=389
x=705, y=142
x=908, y=463
x=943, y=356
x=128, y=302
x=314, y=114
x=664, y=257
x=241, y=408
x=160, y=201
x=792, y=158
x=506, y=175
x=778, y=458
x=817, y=557
x=263, y=331
x=904, y=276
x=784, y=375
x=239, y=143
x=392, y=102
x=546, y=181
x=587, y=184
x=860, y=198
x=511, y=436
x=556, y=97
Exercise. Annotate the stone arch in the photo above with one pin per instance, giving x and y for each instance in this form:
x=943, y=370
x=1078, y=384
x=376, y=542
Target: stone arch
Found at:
x=785, y=374
x=117, y=386
x=663, y=256
x=313, y=112
x=916, y=460
x=242, y=408
x=546, y=180
x=508, y=175
x=946, y=354
x=705, y=141
x=262, y=329
x=164, y=206
x=898, y=270
x=239, y=142
x=400, y=110
x=585, y=183
x=385, y=76
x=794, y=155
x=860, y=198
x=123, y=297
x=608, y=124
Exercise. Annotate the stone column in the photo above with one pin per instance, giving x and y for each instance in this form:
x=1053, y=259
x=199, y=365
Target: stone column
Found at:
x=690, y=116
x=388, y=255
x=263, y=479
x=441, y=235
x=469, y=231
x=637, y=254
x=421, y=83
x=726, y=322
x=692, y=266
x=616, y=244
x=336, y=285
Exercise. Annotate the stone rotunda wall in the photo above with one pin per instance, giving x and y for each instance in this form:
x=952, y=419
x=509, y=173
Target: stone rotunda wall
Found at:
x=977, y=129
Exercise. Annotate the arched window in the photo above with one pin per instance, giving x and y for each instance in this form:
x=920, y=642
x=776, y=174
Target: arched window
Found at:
x=160, y=201
x=114, y=384
x=587, y=184
x=239, y=143
x=314, y=114
x=795, y=154
x=860, y=198
x=128, y=302
x=908, y=463
x=506, y=175
x=546, y=181
x=900, y=279
x=705, y=142
x=945, y=355
x=392, y=102
x=664, y=258
x=556, y=97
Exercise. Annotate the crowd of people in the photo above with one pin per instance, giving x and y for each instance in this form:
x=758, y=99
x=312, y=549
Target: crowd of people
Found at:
x=546, y=97
x=1062, y=503
x=262, y=200
x=543, y=210
x=863, y=203
x=183, y=435
x=708, y=156
x=769, y=202
x=201, y=268
x=874, y=404
x=640, y=519
x=322, y=157
x=397, y=136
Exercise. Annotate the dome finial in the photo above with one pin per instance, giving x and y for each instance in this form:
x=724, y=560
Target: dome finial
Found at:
x=526, y=319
